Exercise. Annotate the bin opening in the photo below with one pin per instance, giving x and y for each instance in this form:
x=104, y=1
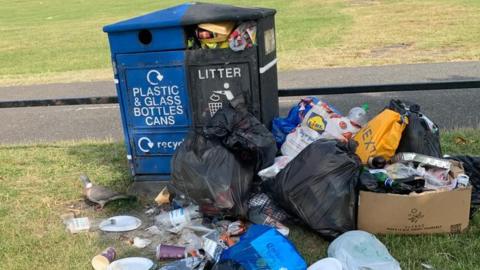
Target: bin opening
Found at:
x=236, y=35
x=145, y=36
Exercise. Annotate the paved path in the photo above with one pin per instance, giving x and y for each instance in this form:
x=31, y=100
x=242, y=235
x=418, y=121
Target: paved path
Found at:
x=451, y=109
x=413, y=73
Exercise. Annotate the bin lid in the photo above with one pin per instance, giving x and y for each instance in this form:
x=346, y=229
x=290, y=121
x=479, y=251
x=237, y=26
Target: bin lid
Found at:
x=189, y=14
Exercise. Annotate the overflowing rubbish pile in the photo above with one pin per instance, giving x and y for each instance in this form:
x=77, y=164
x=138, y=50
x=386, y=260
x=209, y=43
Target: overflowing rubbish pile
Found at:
x=222, y=35
x=236, y=186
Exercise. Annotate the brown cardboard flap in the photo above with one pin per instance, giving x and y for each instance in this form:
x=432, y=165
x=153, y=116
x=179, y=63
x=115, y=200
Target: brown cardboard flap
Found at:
x=423, y=213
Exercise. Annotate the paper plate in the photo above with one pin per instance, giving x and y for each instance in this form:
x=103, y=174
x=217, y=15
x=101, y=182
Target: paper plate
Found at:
x=326, y=264
x=120, y=224
x=132, y=263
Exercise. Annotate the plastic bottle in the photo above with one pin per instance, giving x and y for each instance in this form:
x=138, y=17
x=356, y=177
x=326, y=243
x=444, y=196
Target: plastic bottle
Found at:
x=358, y=115
x=178, y=217
x=385, y=181
x=402, y=186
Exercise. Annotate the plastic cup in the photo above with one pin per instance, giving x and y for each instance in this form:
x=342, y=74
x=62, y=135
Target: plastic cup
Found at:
x=101, y=261
x=166, y=252
x=109, y=253
x=163, y=197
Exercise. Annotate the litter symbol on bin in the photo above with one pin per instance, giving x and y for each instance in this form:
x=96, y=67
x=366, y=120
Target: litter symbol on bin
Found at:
x=213, y=107
x=216, y=104
x=226, y=93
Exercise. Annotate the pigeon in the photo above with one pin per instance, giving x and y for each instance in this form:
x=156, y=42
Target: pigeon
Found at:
x=98, y=194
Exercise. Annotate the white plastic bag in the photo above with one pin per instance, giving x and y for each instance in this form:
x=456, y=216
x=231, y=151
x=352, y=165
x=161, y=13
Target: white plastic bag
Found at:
x=311, y=129
x=272, y=171
x=321, y=122
x=340, y=128
x=360, y=250
x=296, y=141
x=326, y=264
x=328, y=124
x=436, y=178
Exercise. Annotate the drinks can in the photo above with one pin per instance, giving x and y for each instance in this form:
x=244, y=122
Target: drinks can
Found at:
x=463, y=180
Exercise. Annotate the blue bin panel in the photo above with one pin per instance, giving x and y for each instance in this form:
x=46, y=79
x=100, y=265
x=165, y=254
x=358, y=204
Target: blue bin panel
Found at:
x=149, y=165
x=154, y=99
x=161, y=40
x=158, y=144
x=155, y=90
x=157, y=97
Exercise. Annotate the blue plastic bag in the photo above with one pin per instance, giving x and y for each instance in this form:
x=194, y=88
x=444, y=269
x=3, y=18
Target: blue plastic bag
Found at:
x=264, y=248
x=281, y=127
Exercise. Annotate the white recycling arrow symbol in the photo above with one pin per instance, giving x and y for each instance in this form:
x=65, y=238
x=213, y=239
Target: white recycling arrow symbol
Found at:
x=154, y=80
x=150, y=144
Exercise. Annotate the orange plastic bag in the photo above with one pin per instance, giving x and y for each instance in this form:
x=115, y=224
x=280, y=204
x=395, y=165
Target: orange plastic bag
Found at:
x=381, y=136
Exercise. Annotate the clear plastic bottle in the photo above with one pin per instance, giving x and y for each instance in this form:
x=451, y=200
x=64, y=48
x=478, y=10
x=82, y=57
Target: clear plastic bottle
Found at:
x=178, y=217
x=358, y=115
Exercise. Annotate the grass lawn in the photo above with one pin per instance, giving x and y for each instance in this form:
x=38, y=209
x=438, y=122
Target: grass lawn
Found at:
x=39, y=182
x=62, y=41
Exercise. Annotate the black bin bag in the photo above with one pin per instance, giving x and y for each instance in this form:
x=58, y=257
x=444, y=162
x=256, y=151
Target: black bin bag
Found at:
x=243, y=134
x=319, y=186
x=421, y=136
x=211, y=175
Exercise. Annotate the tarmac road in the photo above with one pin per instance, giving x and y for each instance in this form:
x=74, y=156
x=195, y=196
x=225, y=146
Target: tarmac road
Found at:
x=449, y=108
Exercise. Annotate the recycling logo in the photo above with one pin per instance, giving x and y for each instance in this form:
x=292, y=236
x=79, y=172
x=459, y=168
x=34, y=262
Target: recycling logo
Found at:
x=154, y=77
x=145, y=144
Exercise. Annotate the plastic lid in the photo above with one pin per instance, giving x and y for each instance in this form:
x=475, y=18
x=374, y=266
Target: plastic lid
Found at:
x=120, y=224
x=365, y=107
x=326, y=264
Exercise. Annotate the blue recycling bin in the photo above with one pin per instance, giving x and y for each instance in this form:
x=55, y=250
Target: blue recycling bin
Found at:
x=166, y=86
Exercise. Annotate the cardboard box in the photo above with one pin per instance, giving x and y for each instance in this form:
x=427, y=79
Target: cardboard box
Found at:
x=423, y=213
